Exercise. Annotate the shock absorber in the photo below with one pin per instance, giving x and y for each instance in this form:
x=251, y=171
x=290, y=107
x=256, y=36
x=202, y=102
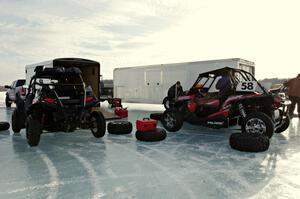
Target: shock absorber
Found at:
x=242, y=110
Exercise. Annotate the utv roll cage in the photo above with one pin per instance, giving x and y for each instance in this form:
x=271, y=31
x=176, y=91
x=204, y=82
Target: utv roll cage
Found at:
x=54, y=73
x=231, y=72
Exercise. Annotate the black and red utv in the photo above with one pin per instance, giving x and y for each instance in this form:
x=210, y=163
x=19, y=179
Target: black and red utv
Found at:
x=226, y=97
x=57, y=100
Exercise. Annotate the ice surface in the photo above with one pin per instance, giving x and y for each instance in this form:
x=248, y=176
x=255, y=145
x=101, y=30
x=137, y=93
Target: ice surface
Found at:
x=195, y=162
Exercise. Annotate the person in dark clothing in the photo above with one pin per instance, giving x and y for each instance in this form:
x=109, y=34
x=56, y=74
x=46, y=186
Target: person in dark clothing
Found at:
x=224, y=86
x=175, y=90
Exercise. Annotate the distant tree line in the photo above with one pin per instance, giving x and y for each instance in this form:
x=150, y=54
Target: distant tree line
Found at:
x=2, y=89
x=274, y=81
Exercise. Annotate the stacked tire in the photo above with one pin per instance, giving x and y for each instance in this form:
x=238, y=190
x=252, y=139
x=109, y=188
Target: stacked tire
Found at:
x=158, y=134
x=249, y=142
x=257, y=129
x=147, y=131
x=119, y=127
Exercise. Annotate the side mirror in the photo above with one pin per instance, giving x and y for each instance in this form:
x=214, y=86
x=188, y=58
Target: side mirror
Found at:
x=7, y=87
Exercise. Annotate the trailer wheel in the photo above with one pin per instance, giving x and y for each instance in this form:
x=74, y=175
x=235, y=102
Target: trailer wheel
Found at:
x=258, y=123
x=151, y=136
x=97, y=124
x=249, y=142
x=156, y=116
x=172, y=120
x=33, y=131
x=119, y=127
x=4, y=126
x=284, y=125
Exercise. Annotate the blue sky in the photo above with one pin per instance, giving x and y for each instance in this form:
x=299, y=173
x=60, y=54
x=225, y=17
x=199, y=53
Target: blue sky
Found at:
x=134, y=32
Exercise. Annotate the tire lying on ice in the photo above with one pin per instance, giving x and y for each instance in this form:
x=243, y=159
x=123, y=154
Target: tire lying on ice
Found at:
x=284, y=125
x=119, y=127
x=4, y=126
x=151, y=136
x=156, y=116
x=249, y=142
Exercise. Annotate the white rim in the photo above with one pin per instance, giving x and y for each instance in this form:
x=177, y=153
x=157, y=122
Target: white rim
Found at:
x=255, y=125
x=170, y=120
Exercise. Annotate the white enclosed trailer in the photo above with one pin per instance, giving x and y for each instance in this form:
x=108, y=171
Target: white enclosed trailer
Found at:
x=90, y=70
x=150, y=84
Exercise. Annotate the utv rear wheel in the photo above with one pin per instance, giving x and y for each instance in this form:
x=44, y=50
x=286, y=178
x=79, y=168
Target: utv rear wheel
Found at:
x=7, y=102
x=258, y=123
x=15, y=122
x=172, y=120
x=33, y=131
x=97, y=124
x=284, y=125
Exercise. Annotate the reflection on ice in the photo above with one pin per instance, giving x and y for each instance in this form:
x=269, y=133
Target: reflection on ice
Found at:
x=195, y=162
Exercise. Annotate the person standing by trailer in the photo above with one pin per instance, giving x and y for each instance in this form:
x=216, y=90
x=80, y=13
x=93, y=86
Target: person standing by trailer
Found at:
x=175, y=90
x=294, y=94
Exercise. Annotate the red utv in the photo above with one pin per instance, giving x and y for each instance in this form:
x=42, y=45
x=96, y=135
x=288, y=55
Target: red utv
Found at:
x=240, y=100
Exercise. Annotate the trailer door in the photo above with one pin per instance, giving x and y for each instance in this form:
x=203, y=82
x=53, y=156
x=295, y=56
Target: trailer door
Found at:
x=153, y=83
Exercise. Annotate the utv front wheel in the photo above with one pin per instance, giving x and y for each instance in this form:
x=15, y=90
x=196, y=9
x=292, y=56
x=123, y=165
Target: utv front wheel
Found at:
x=7, y=102
x=33, y=131
x=15, y=122
x=259, y=123
x=97, y=124
x=172, y=120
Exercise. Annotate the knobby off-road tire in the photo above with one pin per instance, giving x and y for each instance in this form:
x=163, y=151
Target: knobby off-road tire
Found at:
x=97, y=124
x=151, y=136
x=249, y=142
x=156, y=116
x=258, y=123
x=119, y=127
x=16, y=122
x=7, y=102
x=4, y=126
x=33, y=131
x=172, y=120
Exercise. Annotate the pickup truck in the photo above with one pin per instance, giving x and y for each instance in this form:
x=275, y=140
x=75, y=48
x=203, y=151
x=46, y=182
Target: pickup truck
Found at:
x=14, y=91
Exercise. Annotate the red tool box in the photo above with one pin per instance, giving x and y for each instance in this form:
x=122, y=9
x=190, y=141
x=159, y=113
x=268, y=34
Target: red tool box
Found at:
x=146, y=124
x=121, y=112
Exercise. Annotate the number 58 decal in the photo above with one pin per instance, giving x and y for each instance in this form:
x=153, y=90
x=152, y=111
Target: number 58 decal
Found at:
x=247, y=86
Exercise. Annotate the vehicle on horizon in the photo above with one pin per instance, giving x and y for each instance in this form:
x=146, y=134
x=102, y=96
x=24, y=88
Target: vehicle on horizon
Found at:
x=246, y=103
x=57, y=100
x=14, y=91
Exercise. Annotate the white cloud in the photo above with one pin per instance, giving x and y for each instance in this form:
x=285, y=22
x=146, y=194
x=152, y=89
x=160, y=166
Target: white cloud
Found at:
x=124, y=33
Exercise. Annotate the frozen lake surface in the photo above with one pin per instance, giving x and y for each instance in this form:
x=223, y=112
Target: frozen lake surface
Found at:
x=195, y=162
